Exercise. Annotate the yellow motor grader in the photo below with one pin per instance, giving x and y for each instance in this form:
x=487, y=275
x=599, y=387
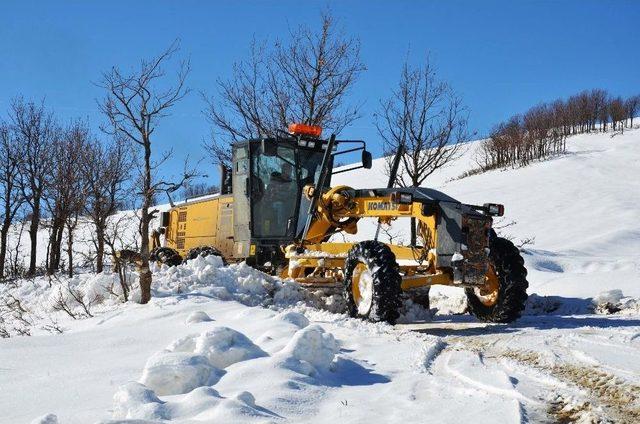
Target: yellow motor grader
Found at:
x=278, y=213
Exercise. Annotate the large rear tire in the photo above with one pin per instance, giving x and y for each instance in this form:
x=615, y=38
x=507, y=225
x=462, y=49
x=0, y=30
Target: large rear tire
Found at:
x=372, y=282
x=508, y=277
x=165, y=255
x=204, y=251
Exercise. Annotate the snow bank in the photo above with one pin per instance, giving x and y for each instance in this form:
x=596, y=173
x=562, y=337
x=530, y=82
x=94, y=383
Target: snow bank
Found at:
x=221, y=346
x=208, y=276
x=197, y=360
x=172, y=373
x=204, y=404
x=310, y=350
x=197, y=317
x=294, y=318
x=43, y=304
x=611, y=302
x=134, y=400
x=615, y=302
x=178, y=382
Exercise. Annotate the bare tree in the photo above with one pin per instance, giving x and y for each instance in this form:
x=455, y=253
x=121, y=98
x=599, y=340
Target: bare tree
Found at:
x=35, y=130
x=427, y=119
x=632, y=105
x=134, y=105
x=65, y=191
x=543, y=129
x=106, y=170
x=76, y=141
x=306, y=79
x=618, y=113
x=10, y=194
x=604, y=113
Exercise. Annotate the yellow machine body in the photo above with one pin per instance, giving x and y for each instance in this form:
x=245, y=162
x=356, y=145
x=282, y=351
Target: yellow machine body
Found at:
x=320, y=263
x=209, y=222
x=206, y=222
x=452, y=246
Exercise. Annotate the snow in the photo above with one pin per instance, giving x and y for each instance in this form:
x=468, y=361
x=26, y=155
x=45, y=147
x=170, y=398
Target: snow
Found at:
x=197, y=317
x=230, y=344
x=173, y=373
x=221, y=346
x=311, y=346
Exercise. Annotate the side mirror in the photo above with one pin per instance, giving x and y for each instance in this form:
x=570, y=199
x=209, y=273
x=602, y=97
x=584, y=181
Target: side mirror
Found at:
x=269, y=148
x=366, y=159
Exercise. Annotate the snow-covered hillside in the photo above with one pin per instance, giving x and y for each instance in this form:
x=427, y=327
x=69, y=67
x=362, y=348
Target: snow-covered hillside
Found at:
x=228, y=344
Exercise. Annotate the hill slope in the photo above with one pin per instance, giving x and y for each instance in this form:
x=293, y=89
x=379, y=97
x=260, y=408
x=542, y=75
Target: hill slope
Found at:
x=232, y=345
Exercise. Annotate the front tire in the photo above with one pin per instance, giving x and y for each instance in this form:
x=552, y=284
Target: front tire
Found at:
x=372, y=282
x=508, y=276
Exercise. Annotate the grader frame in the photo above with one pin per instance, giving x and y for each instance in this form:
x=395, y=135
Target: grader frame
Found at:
x=314, y=263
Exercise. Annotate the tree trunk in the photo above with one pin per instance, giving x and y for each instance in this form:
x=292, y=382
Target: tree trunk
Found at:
x=70, y=249
x=100, y=249
x=50, y=249
x=3, y=246
x=55, y=243
x=58, y=245
x=33, y=236
x=145, y=272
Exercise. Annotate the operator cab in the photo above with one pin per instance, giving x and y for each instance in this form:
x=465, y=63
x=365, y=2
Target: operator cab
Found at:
x=267, y=180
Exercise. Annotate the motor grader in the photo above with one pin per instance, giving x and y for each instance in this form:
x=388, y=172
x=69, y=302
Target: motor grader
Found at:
x=278, y=212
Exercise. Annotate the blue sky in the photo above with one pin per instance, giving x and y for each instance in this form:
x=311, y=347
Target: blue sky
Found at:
x=501, y=56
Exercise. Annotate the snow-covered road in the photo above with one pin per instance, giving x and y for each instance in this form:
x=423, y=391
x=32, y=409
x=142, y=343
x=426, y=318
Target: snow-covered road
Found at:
x=544, y=369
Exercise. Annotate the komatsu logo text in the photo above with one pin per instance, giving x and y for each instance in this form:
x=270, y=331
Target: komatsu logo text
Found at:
x=382, y=206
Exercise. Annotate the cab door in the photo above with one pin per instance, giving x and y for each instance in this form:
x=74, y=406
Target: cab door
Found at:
x=241, y=207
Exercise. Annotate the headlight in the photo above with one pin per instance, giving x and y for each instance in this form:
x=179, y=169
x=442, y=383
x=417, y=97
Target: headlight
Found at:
x=402, y=198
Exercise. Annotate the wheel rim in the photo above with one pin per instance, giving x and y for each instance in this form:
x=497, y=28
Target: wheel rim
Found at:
x=362, y=288
x=488, y=293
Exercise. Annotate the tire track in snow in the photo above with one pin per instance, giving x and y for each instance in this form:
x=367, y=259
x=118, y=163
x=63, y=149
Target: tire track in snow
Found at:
x=618, y=398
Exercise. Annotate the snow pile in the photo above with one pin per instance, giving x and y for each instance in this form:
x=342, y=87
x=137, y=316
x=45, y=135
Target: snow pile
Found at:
x=448, y=300
x=181, y=381
x=310, y=351
x=197, y=360
x=606, y=303
x=197, y=317
x=294, y=318
x=137, y=402
x=412, y=312
x=557, y=305
x=172, y=373
x=221, y=346
x=208, y=276
x=615, y=302
x=45, y=304
x=134, y=400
